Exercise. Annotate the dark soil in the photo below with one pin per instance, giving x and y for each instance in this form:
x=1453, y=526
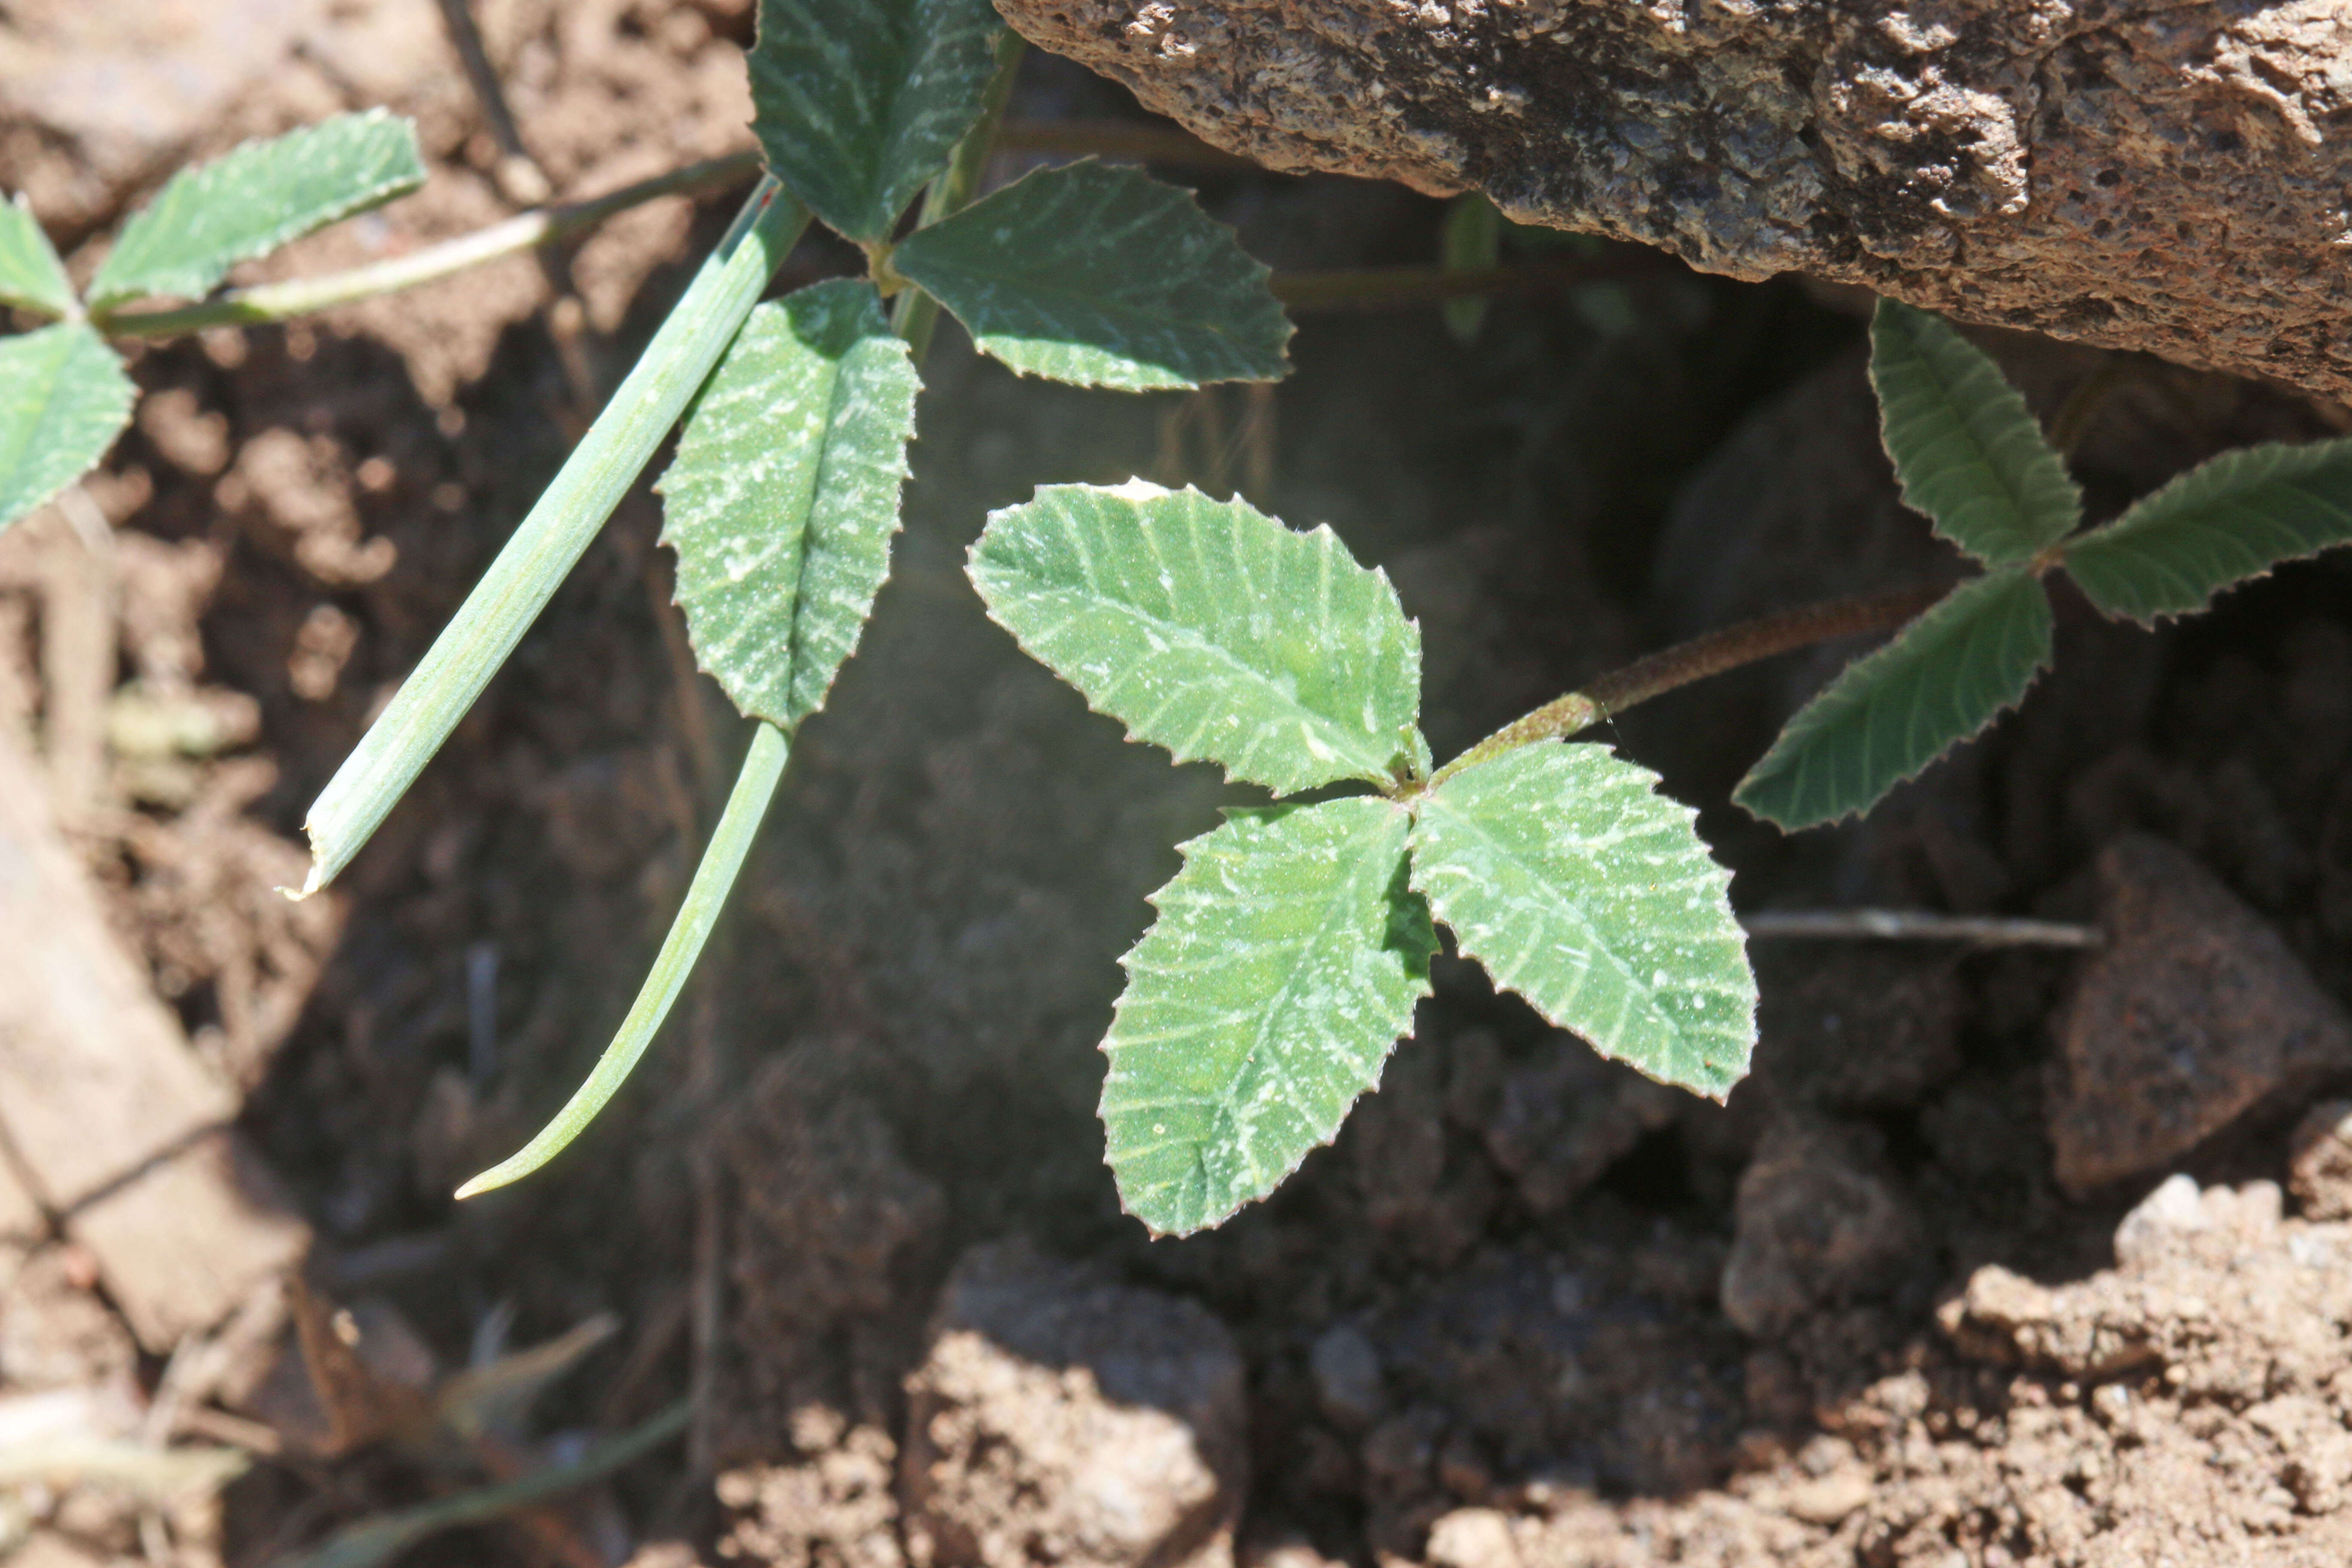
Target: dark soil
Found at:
x=1604, y=1322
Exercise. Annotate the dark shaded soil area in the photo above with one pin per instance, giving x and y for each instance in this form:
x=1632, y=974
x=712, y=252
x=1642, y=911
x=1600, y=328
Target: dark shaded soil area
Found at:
x=1530, y=1309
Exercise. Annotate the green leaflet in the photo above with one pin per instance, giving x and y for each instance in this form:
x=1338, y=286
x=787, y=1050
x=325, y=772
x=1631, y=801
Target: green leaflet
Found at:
x=1285, y=960
x=30, y=273
x=858, y=102
x=1562, y=870
x=784, y=494
x=1967, y=451
x=1103, y=277
x=2223, y=522
x=63, y=400
x=1942, y=679
x=255, y=199
x=1210, y=629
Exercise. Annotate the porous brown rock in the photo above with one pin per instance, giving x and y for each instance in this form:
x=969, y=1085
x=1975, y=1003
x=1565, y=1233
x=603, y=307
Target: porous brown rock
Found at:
x=2169, y=177
x=1062, y=1419
x=2195, y=1014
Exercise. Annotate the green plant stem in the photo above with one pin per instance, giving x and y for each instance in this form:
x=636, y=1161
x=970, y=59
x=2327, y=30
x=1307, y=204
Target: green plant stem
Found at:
x=380, y=1539
x=265, y=302
x=1712, y=654
x=552, y=537
x=763, y=765
x=917, y=315
x=722, y=860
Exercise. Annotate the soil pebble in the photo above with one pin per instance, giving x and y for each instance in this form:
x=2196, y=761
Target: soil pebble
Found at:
x=2195, y=1014
x=1820, y=1220
x=1059, y=1418
x=2319, y=1166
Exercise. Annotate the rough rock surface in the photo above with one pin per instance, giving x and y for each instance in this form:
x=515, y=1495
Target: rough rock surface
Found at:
x=2194, y=1014
x=1061, y=1420
x=2169, y=178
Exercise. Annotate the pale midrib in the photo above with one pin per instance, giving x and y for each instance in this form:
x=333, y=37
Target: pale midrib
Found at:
x=1368, y=766
x=837, y=375
x=1601, y=945
x=1329, y=923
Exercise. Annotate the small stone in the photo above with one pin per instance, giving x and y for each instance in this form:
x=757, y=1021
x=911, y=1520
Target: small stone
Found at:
x=1826, y=1499
x=2194, y=1014
x=1062, y=1419
x=1818, y=1220
x=2177, y=1218
x=2319, y=1161
x=1472, y=1538
x=1346, y=1373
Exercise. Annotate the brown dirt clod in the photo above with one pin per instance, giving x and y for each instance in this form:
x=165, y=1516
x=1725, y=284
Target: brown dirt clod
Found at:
x=1063, y=1420
x=2196, y=1013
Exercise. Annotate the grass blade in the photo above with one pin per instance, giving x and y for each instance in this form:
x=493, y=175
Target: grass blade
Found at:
x=378, y=1540
x=550, y=539
x=755, y=786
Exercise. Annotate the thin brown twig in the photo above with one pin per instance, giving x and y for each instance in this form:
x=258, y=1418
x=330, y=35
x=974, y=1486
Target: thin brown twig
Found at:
x=1712, y=654
x=520, y=176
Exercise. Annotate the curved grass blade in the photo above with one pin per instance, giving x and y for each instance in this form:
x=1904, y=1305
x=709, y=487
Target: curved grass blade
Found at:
x=2217, y=525
x=722, y=861
x=784, y=494
x=1563, y=870
x=31, y=276
x=1285, y=963
x=857, y=103
x=253, y=200
x=1103, y=277
x=63, y=400
x=1942, y=679
x=1966, y=447
x=1210, y=628
x=551, y=538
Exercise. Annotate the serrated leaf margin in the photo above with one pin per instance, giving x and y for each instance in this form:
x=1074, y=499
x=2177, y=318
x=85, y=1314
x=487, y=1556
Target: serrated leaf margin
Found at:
x=1967, y=451
x=1962, y=608
x=1381, y=959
